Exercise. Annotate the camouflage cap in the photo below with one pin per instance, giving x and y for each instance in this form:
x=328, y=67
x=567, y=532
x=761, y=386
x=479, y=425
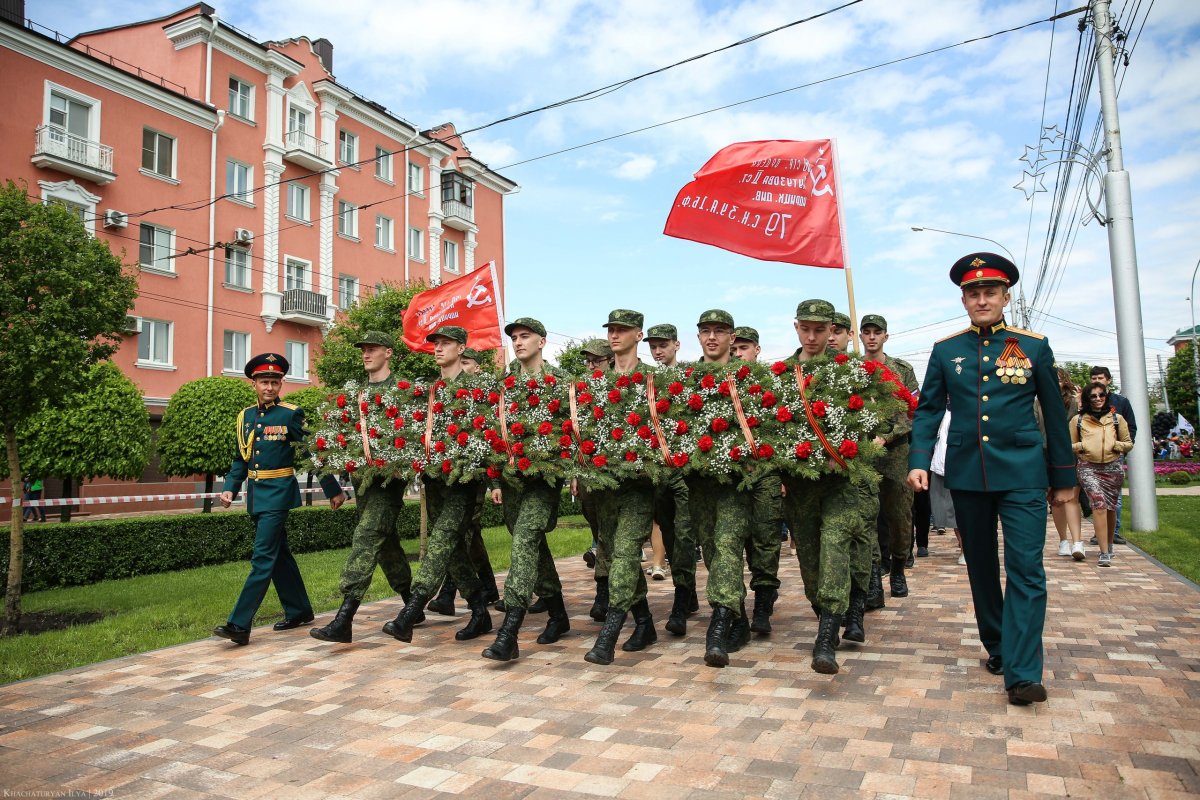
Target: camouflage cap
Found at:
x=815, y=311
x=471, y=353
x=743, y=332
x=873, y=319
x=669, y=332
x=377, y=338
x=596, y=347
x=450, y=332
x=841, y=319
x=525, y=322
x=717, y=316
x=625, y=317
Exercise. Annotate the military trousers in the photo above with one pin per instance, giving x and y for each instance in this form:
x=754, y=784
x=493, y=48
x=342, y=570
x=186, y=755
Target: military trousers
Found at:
x=626, y=518
x=672, y=514
x=451, y=508
x=604, y=545
x=530, y=512
x=1010, y=622
x=720, y=515
x=826, y=519
x=895, y=526
x=376, y=541
x=762, y=545
x=271, y=560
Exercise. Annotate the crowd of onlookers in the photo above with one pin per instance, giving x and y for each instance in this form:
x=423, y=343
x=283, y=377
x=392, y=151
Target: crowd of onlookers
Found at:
x=1176, y=447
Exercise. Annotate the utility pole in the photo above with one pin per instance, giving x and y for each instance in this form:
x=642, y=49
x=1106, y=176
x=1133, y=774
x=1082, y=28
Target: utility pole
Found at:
x=1162, y=382
x=1118, y=201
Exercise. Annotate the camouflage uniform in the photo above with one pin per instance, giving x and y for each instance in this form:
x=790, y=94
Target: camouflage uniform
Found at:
x=672, y=514
x=895, y=495
x=826, y=517
x=720, y=516
x=626, y=518
x=762, y=545
x=376, y=540
x=451, y=509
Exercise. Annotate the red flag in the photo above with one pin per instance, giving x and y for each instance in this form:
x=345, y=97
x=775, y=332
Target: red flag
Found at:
x=470, y=302
x=775, y=201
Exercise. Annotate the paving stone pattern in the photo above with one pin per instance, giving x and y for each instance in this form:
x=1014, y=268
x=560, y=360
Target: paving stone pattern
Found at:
x=912, y=713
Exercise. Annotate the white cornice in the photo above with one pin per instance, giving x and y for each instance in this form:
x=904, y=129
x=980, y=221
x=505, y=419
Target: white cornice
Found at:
x=479, y=172
x=76, y=63
x=352, y=106
x=196, y=30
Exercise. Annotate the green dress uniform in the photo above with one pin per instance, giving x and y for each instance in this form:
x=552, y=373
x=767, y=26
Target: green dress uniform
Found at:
x=996, y=469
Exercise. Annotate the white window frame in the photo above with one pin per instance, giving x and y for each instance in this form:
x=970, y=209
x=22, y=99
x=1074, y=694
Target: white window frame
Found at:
x=295, y=110
x=153, y=171
x=93, y=118
x=74, y=196
x=348, y=148
x=149, y=332
x=450, y=256
x=243, y=196
x=157, y=263
x=416, y=244
x=297, y=365
x=383, y=163
x=416, y=178
x=347, y=219
x=297, y=202
x=345, y=280
x=249, y=99
x=232, y=364
x=385, y=228
x=243, y=267
x=290, y=261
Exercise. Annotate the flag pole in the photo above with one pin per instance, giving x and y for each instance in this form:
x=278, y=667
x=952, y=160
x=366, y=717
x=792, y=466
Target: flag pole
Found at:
x=845, y=256
x=499, y=316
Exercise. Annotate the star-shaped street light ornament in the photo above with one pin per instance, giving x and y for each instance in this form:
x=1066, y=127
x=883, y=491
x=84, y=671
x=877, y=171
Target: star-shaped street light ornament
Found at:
x=1030, y=150
x=1030, y=184
x=1051, y=133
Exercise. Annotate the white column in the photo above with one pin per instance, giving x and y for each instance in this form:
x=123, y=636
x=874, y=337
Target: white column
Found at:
x=469, y=251
x=435, y=255
x=325, y=258
x=275, y=95
x=271, y=295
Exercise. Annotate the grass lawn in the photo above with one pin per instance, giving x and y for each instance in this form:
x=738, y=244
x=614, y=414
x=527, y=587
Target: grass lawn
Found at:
x=153, y=611
x=1176, y=543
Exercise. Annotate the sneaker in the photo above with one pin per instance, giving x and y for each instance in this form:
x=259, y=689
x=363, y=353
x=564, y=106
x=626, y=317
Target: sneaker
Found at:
x=658, y=573
x=1064, y=548
x=1077, y=552
x=940, y=531
x=1119, y=539
x=1106, y=559
x=962, y=560
x=922, y=552
x=1094, y=541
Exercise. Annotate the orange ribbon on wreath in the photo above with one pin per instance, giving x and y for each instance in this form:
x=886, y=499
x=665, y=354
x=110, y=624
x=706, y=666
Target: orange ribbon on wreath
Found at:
x=362, y=426
x=812, y=420
x=652, y=398
x=740, y=414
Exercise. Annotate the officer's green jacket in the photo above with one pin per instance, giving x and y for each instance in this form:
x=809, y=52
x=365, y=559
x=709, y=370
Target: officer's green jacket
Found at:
x=993, y=443
x=266, y=455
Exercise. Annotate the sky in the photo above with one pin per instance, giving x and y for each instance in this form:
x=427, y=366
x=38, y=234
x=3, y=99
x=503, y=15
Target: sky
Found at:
x=933, y=141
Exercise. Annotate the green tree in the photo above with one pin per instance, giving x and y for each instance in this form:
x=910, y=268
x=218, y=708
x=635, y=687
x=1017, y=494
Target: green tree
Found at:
x=308, y=399
x=570, y=360
x=1181, y=383
x=198, y=433
x=340, y=361
x=1079, y=372
x=103, y=429
x=64, y=297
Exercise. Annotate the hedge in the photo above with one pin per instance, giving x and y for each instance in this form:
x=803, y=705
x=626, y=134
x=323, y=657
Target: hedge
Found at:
x=78, y=553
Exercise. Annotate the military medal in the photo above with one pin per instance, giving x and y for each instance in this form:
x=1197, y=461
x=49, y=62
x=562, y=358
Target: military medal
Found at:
x=1013, y=365
x=958, y=364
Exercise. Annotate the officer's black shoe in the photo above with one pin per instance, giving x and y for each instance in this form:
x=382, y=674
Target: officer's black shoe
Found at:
x=341, y=628
x=875, y=598
x=994, y=665
x=480, y=622
x=739, y=632
x=294, y=622
x=599, y=610
x=606, y=642
x=715, y=642
x=854, y=617
x=234, y=633
x=824, y=658
x=558, y=623
x=1023, y=693
x=897, y=580
x=643, y=634
x=505, y=646
x=538, y=606
x=444, y=602
x=677, y=621
x=401, y=627
x=764, y=606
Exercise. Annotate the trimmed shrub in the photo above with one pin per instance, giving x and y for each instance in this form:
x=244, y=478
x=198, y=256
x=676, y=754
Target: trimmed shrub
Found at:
x=1180, y=478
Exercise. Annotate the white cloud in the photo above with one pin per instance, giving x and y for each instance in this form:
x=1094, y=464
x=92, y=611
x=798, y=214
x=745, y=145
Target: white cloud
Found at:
x=636, y=168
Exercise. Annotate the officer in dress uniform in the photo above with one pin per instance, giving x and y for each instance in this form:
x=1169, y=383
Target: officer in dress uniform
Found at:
x=995, y=466
x=265, y=457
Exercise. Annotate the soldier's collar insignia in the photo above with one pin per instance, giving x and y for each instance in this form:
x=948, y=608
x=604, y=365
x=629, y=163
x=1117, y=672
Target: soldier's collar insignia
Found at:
x=999, y=326
x=979, y=262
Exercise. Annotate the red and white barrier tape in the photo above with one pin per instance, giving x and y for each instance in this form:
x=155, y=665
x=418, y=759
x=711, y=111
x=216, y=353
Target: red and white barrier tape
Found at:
x=133, y=498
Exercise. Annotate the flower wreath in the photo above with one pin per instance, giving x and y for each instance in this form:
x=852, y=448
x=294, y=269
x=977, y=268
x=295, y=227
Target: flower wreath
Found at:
x=536, y=431
x=613, y=422
x=462, y=427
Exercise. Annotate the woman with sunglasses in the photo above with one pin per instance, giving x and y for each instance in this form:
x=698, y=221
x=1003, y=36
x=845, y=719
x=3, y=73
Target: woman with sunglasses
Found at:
x=1099, y=435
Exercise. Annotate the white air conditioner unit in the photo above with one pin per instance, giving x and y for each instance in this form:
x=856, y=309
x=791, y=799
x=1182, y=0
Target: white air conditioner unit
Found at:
x=115, y=219
x=243, y=236
x=133, y=325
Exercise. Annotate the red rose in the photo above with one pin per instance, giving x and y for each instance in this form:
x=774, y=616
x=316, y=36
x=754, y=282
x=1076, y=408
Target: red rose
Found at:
x=662, y=405
x=493, y=472
x=518, y=448
x=341, y=401
x=418, y=391
x=584, y=398
x=447, y=466
x=614, y=396
x=742, y=372
x=735, y=454
x=564, y=441
x=803, y=450
x=720, y=425
x=564, y=454
x=755, y=388
x=644, y=432
x=341, y=440
x=358, y=427
x=452, y=429
x=819, y=408
x=345, y=416
x=549, y=380
x=439, y=446
x=391, y=412
x=477, y=394
x=478, y=423
x=379, y=462
x=634, y=418
x=378, y=398
x=567, y=426
x=418, y=416
x=679, y=459
x=752, y=422
x=779, y=368
x=630, y=455
x=498, y=445
x=351, y=466
x=321, y=443
x=765, y=451
x=461, y=394
x=768, y=399
x=510, y=382
x=848, y=448
x=554, y=405
x=580, y=386
x=695, y=402
x=462, y=439
x=622, y=381
x=687, y=373
x=588, y=447
x=841, y=358
x=597, y=373
x=545, y=429
x=531, y=383
x=399, y=442
x=523, y=464
x=438, y=408
x=398, y=423
x=854, y=403
x=616, y=434
x=493, y=398
x=489, y=435
x=638, y=377
x=402, y=384
x=373, y=433
x=597, y=412
x=534, y=400
x=363, y=406
x=417, y=466
x=784, y=414
x=675, y=388
x=708, y=382
x=600, y=461
x=704, y=443
x=725, y=388
x=512, y=407
x=681, y=427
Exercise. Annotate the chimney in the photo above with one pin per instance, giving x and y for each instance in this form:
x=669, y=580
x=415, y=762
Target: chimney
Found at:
x=13, y=11
x=324, y=50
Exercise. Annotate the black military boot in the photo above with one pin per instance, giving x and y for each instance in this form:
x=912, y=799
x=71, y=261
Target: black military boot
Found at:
x=824, y=658
x=444, y=602
x=413, y=612
x=693, y=601
x=715, y=654
x=491, y=592
x=677, y=621
x=505, y=646
x=764, y=606
x=643, y=634
x=480, y=622
x=875, y=598
x=606, y=642
x=340, y=628
x=854, y=617
x=558, y=622
x=739, y=632
x=599, y=610
x=897, y=580
x=538, y=606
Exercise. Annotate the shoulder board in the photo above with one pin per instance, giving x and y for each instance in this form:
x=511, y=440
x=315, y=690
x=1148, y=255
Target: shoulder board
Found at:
x=951, y=336
x=291, y=406
x=1024, y=332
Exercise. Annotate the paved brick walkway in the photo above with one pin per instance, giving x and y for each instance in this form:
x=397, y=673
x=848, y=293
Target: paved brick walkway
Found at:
x=913, y=713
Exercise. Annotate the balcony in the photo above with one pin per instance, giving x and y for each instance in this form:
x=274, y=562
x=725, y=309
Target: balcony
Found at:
x=306, y=151
x=54, y=148
x=457, y=214
x=304, y=307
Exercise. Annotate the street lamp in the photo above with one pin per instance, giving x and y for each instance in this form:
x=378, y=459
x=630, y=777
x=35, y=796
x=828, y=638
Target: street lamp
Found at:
x=1195, y=353
x=1021, y=302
